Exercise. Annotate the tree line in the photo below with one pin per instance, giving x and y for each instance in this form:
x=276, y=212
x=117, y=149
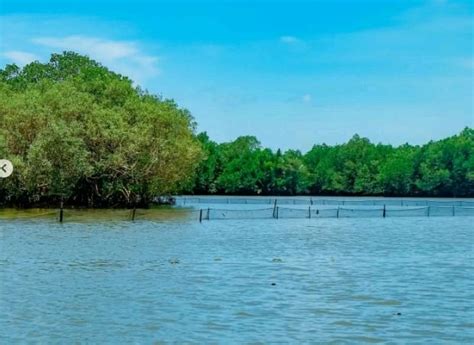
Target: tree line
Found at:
x=358, y=167
x=78, y=132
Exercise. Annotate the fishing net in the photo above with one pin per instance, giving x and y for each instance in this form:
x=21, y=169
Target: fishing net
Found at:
x=211, y=214
x=406, y=212
x=321, y=201
x=339, y=212
x=360, y=213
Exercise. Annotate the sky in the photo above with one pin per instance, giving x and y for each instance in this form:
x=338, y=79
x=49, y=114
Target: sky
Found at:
x=292, y=73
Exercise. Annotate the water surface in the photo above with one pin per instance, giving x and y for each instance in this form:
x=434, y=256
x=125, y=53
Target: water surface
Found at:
x=400, y=280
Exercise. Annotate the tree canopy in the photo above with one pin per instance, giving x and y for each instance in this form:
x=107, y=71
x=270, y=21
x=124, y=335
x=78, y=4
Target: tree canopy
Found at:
x=77, y=131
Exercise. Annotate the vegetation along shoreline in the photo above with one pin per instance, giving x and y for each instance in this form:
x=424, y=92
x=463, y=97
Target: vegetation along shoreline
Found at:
x=79, y=133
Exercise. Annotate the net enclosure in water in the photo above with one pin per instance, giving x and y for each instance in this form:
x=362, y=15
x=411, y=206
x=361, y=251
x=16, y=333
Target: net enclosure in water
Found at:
x=279, y=212
x=310, y=201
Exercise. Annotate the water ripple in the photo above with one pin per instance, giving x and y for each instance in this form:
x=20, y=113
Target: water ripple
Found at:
x=329, y=281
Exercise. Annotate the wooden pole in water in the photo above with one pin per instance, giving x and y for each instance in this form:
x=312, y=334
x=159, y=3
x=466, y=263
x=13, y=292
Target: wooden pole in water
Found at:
x=384, y=210
x=337, y=214
x=134, y=211
x=309, y=212
x=454, y=212
x=61, y=211
x=274, y=208
x=277, y=212
x=428, y=211
x=200, y=215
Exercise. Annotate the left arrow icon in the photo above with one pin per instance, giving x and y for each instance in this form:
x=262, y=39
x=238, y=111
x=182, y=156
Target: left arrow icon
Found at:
x=6, y=168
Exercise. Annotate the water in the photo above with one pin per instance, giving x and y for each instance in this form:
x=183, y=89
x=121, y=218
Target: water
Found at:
x=399, y=280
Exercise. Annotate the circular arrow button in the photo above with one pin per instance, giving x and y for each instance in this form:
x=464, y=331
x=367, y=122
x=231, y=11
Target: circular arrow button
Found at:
x=6, y=168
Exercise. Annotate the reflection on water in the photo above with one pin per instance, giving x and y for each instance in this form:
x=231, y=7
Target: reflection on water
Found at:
x=174, y=280
x=100, y=215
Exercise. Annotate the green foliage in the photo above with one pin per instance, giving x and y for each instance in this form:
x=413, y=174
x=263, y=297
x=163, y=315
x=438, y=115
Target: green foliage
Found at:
x=56, y=160
x=358, y=167
x=78, y=131
x=446, y=167
x=397, y=171
x=240, y=167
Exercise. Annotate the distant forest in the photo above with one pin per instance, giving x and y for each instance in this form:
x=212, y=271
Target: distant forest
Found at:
x=358, y=167
x=80, y=133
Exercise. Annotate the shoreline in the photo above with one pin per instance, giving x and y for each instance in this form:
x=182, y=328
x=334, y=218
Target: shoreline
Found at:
x=178, y=199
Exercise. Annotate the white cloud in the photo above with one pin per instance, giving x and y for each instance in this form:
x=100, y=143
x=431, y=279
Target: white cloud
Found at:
x=122, y=56
x=289, y=39
x=20, y=58
x=99, y=48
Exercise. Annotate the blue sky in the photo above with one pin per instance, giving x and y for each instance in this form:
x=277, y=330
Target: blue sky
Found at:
x=293, y=73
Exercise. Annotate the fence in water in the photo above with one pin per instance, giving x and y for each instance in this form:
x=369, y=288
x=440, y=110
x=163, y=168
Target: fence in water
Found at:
x=252, y=208
x=278, y=212
x=190, y=201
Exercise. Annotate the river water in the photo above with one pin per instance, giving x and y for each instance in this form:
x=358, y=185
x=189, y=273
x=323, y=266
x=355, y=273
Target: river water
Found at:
x=339, y=281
